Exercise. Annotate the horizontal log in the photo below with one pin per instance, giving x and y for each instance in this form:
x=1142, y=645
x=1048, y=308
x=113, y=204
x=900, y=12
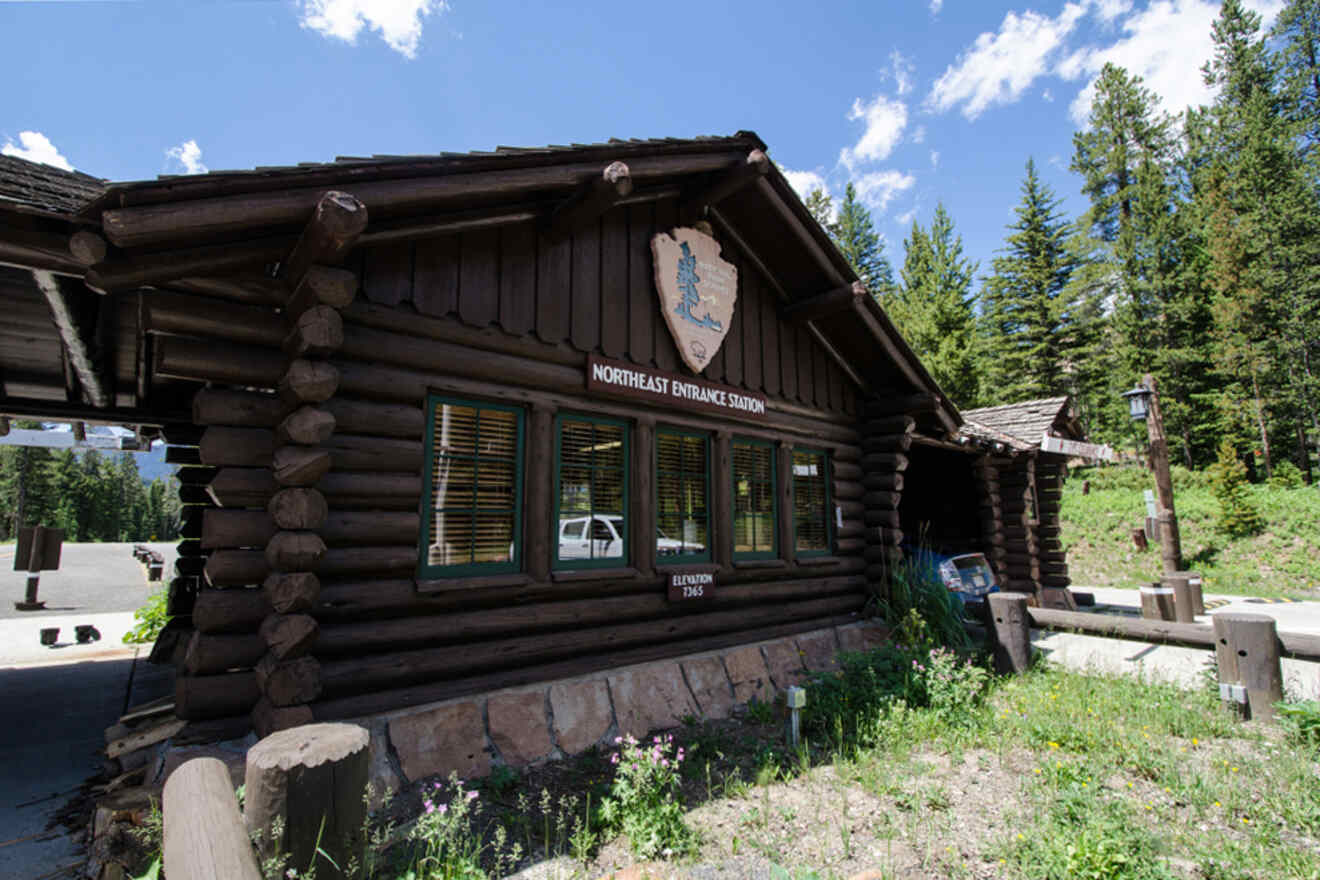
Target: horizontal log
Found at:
x=185, y=455
x=847, y=490
x=294, y=551
x=823, y=305
x=252, y=288
x=882, y=461
x=289, y=636
x=849, y=546
x=236, y=568
x=846, y=470
x=881, y=517
x=396, y=698
x=407, y=667
x=214, y=696
x=292, y=592
x=210, y=218
x=289, y=682
x=348, y=528
x=249, y=409
x=904, y=404
x=884, y=535
x=884, y=481
x=183, y=314
x=336, y=222
x=223, y=528
x=242, y=487
x=377, y=419
x=850, y=528
x=353, y=452
x=237, y=447
x=229, y=611
x=300, y=465
x=891, y=425
x=305, y=426
x=358, y=561
x=343, y=489
x=130, y=272
x=195, y=475
x=233, y=568
x=298, y=509
x=307, y=381
x=352, y=638
x=315, y=333
x=882, y=500
x=179, y=357
x=886, y=443
x=209, y=653
x=323, y=286
x=850, y=509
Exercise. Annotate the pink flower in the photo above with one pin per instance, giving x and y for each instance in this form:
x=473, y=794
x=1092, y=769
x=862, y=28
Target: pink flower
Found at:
x=472, y=795
x=442, y=809
x=430, y=807
x=614, y=759
x=664, y=763
x=618, y=740
x=657, y=740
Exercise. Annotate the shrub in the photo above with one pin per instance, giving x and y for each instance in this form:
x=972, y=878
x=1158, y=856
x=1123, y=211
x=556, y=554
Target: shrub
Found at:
x=953, y=686
x=642, y=801
x=1238, y=514
x=1303, y=721
x=1286, y=476
x=919, y=607
x=151, y=619
x=447, y=846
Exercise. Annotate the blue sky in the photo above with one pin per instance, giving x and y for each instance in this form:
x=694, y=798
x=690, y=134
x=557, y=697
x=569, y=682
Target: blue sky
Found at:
x=918, y=101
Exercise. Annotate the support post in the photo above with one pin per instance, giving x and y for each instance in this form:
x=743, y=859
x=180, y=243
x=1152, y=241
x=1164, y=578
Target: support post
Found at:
x=1194, y=584
x=35, y=559
x=1157, y=602
x=1012, y=632
x=1170, y=541
x=1247, y=653
x=1183, y=610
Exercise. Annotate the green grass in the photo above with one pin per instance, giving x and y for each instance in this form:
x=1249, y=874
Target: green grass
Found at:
x=1097, y=534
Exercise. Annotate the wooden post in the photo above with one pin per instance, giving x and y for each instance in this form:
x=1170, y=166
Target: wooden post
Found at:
x=1183, y=610
x=311, y=778
x=1247, y=652
x=1157, y=602
x=204, y=837
x=1170, y=541
x=1194, y=583
x=35, y=559
x=1012, y=631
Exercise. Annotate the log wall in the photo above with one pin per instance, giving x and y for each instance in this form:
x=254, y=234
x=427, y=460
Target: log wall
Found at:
x=1017, y=489
x=500, y=315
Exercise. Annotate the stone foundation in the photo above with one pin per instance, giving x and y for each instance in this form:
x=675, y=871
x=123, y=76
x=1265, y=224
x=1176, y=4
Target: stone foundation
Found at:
x=523, y=726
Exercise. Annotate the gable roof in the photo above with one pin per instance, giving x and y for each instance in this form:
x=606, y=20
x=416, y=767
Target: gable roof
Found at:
x=43, y=190
x=1023, y=423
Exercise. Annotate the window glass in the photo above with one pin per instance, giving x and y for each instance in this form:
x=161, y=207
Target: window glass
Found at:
x=593, y=492
x=475, y=471
x=754, y=531
x=682, y=489
x=811, y=523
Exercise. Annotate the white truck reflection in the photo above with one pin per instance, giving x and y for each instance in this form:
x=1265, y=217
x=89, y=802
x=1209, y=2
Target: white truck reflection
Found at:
x=600, y=537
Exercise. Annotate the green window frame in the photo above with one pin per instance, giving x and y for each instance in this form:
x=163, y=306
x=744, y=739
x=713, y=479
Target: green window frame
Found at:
x=752, y=486
x=813, y=532
x=490, y=507
x=682, y=505
x=600, y=469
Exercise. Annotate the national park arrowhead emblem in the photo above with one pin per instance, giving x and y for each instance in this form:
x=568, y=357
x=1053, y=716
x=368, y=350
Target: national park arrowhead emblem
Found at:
x=697, y=292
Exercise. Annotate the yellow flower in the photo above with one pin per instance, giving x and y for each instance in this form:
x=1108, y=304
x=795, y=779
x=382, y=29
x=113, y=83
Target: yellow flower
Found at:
x=1234, y=769
x=1019, y=837
x=1217, y=804
x=1195, y=741
x=1054, y=745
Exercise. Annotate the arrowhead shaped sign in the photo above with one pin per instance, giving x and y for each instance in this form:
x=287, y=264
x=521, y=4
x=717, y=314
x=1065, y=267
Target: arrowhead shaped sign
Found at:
x=697, y=292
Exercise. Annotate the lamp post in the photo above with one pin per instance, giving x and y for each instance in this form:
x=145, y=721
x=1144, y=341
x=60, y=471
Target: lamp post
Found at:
x=1144, y=405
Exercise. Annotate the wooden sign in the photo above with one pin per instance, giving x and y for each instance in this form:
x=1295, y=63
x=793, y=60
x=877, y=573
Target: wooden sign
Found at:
x=48, y=554
x=623, y=379
x=697, y=292
x=1073, y=447
x=691, y=583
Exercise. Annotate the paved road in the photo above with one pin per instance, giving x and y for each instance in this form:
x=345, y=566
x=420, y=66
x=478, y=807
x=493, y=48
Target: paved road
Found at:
x=91, y=578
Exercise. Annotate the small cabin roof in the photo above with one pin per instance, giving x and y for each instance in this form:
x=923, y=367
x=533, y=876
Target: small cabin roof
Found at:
x=1022, y=425
x=44, y=190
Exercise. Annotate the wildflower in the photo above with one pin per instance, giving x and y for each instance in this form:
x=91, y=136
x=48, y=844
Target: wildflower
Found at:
x=618, y=740
x=430, y=807
x=1054, y=745
x=1217, y=804
x=442, y=809
x=472, y=795
x=664, y=763
x=614, y=759
x=1195, y=741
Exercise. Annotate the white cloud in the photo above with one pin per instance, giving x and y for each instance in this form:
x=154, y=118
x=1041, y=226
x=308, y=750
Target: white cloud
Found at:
x=885, y=120
x=189, y=157
x=878, y=188
x=919, y=134
x=936, y=6
x=1108, y=10
x=906, y=218
x=934, y=159
x=1047, y=96
x=804, y=182
x=35, y=147
x=902, y=69
x=998, y=67
x=398, y=21
x=1165, y=44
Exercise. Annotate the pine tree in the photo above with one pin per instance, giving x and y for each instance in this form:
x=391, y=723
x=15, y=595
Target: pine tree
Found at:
x=855, y=235
x=1297, y=30
x=1024, y=317
x=933, y=308
x=1238, y=514
x=821, y=207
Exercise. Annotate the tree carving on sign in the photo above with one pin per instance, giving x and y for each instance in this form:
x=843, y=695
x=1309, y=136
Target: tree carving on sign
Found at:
x=697, y=292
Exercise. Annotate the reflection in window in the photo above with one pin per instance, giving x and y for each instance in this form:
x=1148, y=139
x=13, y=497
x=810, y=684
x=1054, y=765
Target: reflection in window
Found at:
x=811, y=523
x=475, y=473
x=682, y=488
x=753, y=499
x=593, y=492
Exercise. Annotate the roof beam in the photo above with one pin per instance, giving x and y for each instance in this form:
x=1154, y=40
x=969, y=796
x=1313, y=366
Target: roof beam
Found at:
x=129, y=273
x=334, y=226
x=75, y=345
x=29, y=247
x=591, y=200
x=727, y=182
x=823, y=305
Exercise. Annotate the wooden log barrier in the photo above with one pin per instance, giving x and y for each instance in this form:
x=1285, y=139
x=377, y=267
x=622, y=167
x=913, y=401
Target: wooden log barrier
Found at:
x=309, y=782
x=1195, y=583
x=1157, y=602
x=1178, y=583
x=204, y=837
x=1012, y=632
x=1247, y=651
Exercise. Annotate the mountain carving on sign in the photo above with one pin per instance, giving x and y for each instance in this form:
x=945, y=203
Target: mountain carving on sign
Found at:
x=697, y=292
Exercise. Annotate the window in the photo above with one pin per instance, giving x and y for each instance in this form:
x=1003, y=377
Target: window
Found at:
x=811, y=503
x=474, y=491
x=754, y=531
x=682, y=480
x=592, y=468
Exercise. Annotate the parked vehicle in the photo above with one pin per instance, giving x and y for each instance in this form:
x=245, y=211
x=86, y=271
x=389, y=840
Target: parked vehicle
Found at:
x=968, y=576
x=601, y=537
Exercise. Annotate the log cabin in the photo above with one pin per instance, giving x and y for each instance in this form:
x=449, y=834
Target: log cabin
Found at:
x=456, y=423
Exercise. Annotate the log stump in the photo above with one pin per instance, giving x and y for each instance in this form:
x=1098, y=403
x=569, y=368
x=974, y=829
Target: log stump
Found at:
x=204, y=837
x=1012, y=631
x=312, y=779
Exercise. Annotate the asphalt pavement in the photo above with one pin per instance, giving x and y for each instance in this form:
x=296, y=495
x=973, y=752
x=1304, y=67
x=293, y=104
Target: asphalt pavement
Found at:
x=92, y=578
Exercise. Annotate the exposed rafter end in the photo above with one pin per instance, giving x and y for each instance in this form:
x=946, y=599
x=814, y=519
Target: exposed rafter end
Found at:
x=726, y=183
x=75, y=345
x=591, y=201
x=333, y=229
x=824, y=305
x=88, y=247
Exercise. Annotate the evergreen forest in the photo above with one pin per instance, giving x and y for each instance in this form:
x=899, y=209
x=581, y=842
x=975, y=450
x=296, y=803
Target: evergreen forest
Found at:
x=92, y=496
x=1197, y=261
